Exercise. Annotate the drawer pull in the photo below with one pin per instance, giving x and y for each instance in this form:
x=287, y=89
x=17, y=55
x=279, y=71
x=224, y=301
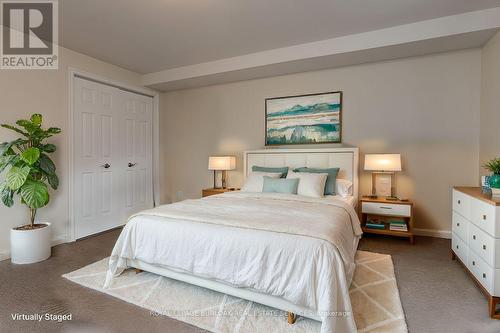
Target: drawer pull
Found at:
x=484, y=247
x=384, y=207
x=458, y=224
x=484, y=217
x=484, y=275
x=474, y=237
x=459, y=202
x=473, y=263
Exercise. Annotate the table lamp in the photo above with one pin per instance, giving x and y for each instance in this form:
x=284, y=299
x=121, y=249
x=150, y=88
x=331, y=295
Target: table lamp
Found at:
x=383, y=168
x=221, y=163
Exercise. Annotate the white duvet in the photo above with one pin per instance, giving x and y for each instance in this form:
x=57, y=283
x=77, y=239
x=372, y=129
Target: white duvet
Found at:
x=294, y=247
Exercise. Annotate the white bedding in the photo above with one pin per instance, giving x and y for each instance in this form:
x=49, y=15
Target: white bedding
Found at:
x=350, y=199
x=297, y=248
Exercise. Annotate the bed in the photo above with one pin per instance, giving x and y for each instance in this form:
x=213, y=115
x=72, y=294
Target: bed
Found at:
x=258, y=246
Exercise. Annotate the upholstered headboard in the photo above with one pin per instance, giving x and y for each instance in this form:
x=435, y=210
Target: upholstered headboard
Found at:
x=344, y=158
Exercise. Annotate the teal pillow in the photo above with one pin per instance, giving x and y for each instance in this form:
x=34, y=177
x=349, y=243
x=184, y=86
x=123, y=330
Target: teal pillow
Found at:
x=280, y=185
x=330, y=180
x=283, y=170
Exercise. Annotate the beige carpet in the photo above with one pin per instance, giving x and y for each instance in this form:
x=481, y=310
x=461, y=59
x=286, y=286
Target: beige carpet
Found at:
x=374, y=296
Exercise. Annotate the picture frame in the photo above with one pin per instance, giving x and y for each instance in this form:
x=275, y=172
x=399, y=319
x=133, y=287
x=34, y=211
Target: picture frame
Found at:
x=304, y=119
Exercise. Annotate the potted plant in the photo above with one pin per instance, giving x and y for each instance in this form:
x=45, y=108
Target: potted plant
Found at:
x=494, y=180
x=28, y=169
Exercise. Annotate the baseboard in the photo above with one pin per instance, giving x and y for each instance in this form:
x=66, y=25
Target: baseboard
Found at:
x=432, y=233
x=4, y=255
x=419, y=232
x=59, y=240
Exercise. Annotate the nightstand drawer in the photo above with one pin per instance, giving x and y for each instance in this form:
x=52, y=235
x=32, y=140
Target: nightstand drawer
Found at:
x=385, y=209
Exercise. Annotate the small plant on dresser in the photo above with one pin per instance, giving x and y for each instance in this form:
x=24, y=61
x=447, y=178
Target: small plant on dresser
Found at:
x=494, y=166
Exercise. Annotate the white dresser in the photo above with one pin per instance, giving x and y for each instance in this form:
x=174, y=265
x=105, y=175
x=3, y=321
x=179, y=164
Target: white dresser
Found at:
x=476, y=239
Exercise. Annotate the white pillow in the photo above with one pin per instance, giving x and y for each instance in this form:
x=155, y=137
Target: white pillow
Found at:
x=343, y=187
x=310, y=184
x=255, y=181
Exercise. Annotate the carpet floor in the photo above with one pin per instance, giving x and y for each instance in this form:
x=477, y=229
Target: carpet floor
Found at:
x=436, y=293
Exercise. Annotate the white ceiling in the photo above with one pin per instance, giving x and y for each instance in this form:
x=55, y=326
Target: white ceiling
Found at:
x=155, y=35
x=165, y=82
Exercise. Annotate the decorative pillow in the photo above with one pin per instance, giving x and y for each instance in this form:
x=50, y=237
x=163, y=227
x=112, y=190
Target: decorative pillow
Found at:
x=280, y=185
x=283, y=170
x=330, y=181
x=255, y=181
x=310, y=184
x=343, y=187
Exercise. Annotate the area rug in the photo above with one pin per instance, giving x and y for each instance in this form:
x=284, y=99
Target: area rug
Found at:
x=374, y=297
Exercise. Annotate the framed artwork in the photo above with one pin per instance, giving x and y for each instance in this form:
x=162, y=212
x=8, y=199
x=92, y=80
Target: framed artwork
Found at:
x=304, y=119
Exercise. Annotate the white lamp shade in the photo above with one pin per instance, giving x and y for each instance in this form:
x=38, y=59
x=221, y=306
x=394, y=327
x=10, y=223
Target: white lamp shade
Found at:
x=221, y=163
x=383, y=162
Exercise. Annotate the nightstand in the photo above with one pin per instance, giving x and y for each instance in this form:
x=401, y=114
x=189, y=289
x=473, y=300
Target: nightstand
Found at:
x=211, y=191
x=382, y=211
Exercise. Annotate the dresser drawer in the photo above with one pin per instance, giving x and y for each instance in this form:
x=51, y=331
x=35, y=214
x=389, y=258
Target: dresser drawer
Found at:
x=459, y=225
x=385, y=209
x=459, y=247
x=461, y=204
x=481, y=270
x=482, y=244
x=484, y=216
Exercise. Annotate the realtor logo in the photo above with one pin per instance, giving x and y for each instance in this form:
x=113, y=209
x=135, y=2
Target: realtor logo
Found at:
x=29, y=35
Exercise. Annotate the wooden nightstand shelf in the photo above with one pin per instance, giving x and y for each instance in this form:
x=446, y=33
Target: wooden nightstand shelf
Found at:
x=387, y=210
x=212, y=191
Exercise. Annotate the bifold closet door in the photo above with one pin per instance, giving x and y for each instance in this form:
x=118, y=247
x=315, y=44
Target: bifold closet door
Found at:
x=137, y=158
x=112, y=156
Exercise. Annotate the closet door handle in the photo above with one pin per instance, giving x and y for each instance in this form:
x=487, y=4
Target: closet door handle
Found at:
x=130, y=164
x=106, y=166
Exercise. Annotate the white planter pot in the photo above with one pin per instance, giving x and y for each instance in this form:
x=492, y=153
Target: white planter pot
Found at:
x=30, y=246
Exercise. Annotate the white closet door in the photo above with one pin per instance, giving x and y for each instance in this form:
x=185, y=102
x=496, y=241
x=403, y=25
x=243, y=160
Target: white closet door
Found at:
x=137, y=158
x=112, y=129
x=96, y=151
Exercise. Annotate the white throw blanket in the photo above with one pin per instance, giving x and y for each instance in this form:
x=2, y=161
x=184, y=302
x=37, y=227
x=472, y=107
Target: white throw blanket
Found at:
x=294, y=247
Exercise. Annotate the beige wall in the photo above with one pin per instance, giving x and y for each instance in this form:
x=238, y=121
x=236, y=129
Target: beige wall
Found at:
x=490, y=102
x=46, y=92
x=425, y=108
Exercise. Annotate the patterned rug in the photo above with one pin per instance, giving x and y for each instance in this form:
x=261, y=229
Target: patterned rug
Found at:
x=374, y=297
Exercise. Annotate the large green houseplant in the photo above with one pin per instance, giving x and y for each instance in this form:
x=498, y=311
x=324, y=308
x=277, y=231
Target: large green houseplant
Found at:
x=28, y=171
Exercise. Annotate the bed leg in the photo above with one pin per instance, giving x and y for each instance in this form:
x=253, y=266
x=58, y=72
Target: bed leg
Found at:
x=291, y=318
x=137, y=270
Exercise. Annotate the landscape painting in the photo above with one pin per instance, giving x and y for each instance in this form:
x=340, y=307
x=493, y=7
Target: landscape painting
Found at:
x=305, y=119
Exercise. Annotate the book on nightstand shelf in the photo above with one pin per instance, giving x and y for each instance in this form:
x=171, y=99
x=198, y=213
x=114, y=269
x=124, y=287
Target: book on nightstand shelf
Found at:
x=398, y=226
x=375, y=226
x=370, y=224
